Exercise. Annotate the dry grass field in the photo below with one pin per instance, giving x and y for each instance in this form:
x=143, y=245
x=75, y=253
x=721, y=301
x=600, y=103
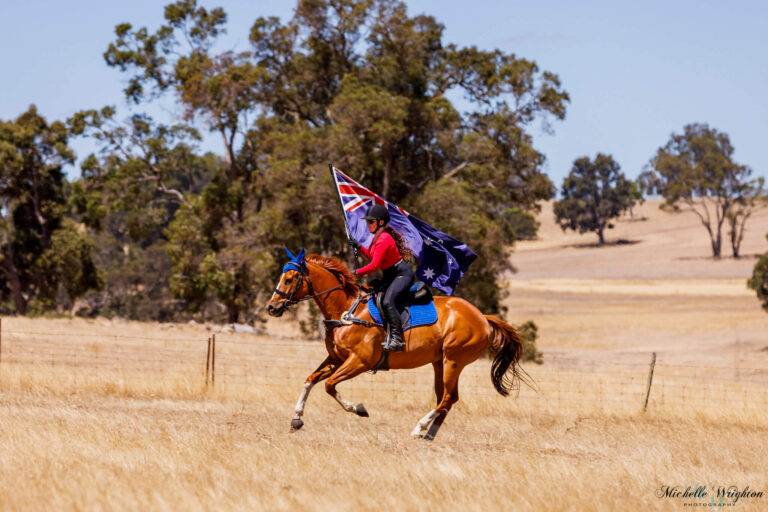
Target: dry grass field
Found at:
x=114, y=415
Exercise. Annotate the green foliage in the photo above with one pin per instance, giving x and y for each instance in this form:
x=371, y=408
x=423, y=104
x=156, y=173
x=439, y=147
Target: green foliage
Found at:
x=519, y=224
x=358, y=83
x=45, y=257
x=594, y=192
x=759, y=280
x=529, y=333
x=696, y=172
x=136, y=282
x=68, y=266
x=130, y=194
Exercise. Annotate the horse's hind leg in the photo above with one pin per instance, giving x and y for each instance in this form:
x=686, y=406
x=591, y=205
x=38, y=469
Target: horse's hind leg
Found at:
x=438, y=367
x=323, y=371
x=433, y=415
x=451, y=372
x=352, y=367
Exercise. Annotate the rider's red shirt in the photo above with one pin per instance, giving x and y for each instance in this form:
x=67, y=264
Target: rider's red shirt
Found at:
x=383, y=253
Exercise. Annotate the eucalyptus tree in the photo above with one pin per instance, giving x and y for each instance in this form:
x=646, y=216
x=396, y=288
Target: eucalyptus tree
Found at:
x=593, y=193
x=759, y=280
x=128, y=194
x=695, y=172
x=356, y=82
x=45, y=256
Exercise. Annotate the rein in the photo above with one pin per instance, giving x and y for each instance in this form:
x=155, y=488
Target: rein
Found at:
x=346, y=317
x=289, y=298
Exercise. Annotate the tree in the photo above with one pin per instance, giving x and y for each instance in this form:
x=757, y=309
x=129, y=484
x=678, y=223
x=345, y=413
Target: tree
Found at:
x=759, y=280
x=129, y=196
x=593, y=193
x=355, y=82
x=637, y=197
x=741, y=210
x=695, y=172
x=45, y=256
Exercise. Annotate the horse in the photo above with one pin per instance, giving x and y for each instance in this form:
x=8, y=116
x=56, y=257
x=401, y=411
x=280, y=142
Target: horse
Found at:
x=460, y=336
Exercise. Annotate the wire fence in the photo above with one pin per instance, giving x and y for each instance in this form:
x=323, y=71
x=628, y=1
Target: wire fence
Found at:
x=614, y=383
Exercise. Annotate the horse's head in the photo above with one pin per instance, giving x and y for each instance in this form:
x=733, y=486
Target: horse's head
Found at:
x=293, y=286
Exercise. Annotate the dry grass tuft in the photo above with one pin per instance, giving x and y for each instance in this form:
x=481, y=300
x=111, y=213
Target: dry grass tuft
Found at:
x=87, y=440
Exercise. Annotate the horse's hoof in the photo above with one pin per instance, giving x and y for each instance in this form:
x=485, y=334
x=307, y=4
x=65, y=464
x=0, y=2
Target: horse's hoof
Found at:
x=296, y=424
x=428, y=437
x=360, y=411
x=416, y=436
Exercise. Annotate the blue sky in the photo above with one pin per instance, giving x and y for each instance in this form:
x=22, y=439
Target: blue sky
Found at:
x=636, y=71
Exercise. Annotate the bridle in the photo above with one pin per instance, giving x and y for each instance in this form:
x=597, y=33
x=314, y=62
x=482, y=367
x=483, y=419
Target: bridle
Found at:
x=302, y=269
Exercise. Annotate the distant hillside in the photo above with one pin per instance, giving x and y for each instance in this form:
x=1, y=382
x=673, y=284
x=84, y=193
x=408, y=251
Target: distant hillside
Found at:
x=662, y=246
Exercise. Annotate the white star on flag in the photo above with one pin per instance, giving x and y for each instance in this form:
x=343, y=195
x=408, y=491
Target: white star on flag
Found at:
x=429, y=273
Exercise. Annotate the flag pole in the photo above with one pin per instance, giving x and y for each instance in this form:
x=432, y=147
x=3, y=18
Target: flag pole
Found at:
x=338, y=194
x=336, y=186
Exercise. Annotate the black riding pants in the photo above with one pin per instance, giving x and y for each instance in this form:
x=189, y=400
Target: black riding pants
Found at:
x=399, y=278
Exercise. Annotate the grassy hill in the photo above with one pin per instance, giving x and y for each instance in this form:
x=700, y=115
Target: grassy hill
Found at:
x=653, y=287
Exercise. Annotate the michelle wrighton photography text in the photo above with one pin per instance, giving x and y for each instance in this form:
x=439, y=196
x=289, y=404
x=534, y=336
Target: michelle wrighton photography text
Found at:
x=710, y=495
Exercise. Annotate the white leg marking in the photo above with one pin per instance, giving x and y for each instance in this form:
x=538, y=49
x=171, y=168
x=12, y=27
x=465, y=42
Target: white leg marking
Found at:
x=303, y=400
x=423, y=423
x=348, y=406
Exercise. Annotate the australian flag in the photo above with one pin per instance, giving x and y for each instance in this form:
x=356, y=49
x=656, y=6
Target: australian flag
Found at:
x=443, y=260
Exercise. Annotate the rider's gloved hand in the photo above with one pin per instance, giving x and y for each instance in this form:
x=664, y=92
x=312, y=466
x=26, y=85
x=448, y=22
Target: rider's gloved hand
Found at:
x=353, y=243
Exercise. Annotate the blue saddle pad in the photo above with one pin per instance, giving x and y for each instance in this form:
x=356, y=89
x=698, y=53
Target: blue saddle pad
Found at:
x=420, y=315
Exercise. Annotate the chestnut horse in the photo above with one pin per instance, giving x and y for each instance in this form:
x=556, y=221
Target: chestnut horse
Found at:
x=460, y=336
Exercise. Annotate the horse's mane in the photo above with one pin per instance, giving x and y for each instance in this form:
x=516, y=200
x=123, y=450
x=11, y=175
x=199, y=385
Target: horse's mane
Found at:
x=338, y=268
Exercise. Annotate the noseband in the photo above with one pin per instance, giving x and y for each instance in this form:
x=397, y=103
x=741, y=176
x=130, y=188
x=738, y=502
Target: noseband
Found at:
x=302, y=269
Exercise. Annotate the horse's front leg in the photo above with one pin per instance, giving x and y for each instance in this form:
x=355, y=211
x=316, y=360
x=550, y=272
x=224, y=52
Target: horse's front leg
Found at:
x=352, y=367
x=326, y=368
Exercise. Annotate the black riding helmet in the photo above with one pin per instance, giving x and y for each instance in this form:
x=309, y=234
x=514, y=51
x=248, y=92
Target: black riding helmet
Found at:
x=377, y=212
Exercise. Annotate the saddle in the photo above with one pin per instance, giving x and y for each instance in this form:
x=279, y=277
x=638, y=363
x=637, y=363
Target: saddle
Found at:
x=416, y=306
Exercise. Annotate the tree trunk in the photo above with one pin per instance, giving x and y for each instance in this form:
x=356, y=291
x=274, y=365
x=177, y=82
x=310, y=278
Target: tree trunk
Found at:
x=737, y=223
x=387, y=177
x=600, y=236
x=716, y=244
x=722, y=214
x=13, y=279
x=715, y=236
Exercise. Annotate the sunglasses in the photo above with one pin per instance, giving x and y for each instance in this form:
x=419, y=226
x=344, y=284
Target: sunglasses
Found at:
x=370, y=221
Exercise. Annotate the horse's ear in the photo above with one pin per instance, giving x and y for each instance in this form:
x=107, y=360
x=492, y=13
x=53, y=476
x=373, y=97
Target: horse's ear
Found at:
x=291, y=256
x=300, y=256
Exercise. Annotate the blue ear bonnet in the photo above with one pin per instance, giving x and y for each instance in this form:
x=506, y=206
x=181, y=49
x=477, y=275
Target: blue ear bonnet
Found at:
x=296, y=262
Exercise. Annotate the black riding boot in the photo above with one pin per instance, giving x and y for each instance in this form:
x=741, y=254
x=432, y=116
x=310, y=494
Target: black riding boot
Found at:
x=394, y=341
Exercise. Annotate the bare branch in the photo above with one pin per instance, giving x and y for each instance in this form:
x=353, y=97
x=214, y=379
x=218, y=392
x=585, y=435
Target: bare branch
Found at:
x=449, y=174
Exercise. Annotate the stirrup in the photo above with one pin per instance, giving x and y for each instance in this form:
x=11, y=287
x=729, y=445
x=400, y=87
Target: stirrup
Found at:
x=390, y=346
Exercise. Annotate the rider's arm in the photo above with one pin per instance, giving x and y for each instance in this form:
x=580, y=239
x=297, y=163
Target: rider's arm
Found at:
x=378, y=251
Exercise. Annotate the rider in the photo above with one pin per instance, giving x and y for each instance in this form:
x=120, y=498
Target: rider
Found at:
x=387, y=252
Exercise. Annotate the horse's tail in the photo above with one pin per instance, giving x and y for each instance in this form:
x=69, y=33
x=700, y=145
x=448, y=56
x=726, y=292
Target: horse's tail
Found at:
x=506, y=348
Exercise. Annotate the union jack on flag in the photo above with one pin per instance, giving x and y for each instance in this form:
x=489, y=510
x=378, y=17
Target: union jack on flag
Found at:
x=353, y=194
x=443, y=260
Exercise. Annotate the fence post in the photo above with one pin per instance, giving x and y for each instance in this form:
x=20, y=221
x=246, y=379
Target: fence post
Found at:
x=650, y=380
x=208, y=361
x=213, y=360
